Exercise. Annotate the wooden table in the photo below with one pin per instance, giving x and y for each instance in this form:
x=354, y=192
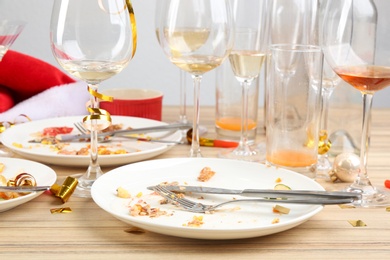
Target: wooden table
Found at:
x=30, y=231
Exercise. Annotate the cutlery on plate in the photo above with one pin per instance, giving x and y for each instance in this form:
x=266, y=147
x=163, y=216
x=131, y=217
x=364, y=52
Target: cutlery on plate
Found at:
x=24, y=188
x=105, y=139
x=204, y=208
x=71, y=137
x=265, y=193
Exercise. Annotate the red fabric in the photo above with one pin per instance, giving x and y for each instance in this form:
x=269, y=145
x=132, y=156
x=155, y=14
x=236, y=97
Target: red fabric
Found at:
x=24, y=76
x=6, y=99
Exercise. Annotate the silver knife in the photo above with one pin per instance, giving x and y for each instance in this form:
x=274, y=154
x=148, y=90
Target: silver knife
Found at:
x=270, y=193
x=69, y=137
x=24, y=188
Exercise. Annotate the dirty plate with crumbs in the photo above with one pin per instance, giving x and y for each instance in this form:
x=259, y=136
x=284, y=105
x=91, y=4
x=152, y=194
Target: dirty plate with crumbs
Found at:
x=230, y=222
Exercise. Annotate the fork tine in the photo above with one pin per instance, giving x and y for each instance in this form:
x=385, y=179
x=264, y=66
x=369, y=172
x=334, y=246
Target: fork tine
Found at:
x=171, y=196
x=81, y=128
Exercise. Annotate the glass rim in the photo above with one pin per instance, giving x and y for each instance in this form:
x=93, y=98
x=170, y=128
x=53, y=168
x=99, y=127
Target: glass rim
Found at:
x=296, y=47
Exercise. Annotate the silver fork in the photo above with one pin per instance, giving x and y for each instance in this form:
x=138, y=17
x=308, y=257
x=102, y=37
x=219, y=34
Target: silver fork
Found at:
x=204, y=208
x=107, y=138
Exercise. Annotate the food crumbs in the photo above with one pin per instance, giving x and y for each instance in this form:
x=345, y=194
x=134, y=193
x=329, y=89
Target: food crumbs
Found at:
x=139, y=195
x=17, y=145
x=205, y=174
x=278, y=180
x=275, y=221
x=197, y=221
x=280, y=209
x=122, y=193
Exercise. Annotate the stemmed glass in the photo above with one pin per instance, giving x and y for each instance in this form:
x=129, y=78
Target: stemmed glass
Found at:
x=9, y=31
x=196, y=36
x=93, y=40
x=182, y=75
x=246, y=59
x=364, y=65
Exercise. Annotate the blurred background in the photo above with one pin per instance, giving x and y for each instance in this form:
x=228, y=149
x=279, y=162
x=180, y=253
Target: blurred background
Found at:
x=149, y=68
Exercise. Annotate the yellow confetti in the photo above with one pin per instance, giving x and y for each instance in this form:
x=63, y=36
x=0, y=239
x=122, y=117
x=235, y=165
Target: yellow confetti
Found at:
x=357, y=223
x=346, y=206
x=61, y=210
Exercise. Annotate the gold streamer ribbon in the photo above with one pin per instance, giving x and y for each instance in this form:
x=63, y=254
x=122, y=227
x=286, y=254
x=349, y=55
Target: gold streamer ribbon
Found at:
x=6, y=124
x=101, y=114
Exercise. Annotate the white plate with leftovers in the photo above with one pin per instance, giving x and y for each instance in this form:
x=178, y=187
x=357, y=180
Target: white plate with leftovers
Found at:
x=117, y=152
x=10, y=168
x=123, y=193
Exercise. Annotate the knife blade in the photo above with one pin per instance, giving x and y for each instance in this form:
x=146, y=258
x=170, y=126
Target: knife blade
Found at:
x=70, y=137
x=262, y=192
x=24, y=188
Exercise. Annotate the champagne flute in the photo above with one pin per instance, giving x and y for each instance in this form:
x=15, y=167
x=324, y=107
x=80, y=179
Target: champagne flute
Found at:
x=9, y=32
x=196, y=36
x=93, y=40
x=246, y=59
x=365, y=65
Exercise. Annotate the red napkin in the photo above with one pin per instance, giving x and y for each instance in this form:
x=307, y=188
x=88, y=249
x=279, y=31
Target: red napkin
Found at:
x=23, y=76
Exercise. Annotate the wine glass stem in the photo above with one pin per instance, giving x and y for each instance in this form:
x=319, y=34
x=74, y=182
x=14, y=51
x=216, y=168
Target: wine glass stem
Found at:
x=183, y=98
x=94, y=170
x=244, y=114
x=362, y=179
x=195, y=147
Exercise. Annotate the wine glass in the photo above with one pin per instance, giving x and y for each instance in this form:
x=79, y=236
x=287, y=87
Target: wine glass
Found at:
x=196, y=36
x=359, y=53
x=246, y=59
x=9, y=31
x=182, y=76
x=93, y=41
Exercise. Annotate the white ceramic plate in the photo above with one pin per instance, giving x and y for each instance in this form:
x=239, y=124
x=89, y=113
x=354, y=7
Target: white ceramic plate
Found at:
x=231, y=222
x=22, y=133
x=43, y=175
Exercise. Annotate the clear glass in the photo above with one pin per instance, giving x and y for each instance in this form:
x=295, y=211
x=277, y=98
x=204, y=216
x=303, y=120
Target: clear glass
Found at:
x=93, y=41
x=294, y=87
x=182, y=77
x=246, y=60
x=196, y=36
x=358, y=52
x=9, y=32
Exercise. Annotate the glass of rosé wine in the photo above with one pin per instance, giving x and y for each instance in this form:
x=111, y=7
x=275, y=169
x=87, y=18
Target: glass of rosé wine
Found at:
x=359, y=53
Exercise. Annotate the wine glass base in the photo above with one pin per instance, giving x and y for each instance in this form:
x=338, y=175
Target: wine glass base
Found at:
x=372, y=197
x=323, y=168
x=83, y=188
x=246, y=153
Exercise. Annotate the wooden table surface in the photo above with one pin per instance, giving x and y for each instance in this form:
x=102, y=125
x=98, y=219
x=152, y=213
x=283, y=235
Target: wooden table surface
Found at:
x=30, y=231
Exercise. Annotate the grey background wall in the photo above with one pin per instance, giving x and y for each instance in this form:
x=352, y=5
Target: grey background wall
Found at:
x=149, y=68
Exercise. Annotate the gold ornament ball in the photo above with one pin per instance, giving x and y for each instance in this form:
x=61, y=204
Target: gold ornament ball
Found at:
x=346, y=166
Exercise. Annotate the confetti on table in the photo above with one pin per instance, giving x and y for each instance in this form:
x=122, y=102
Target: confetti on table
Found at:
x=357, y=223
x=61, y=210
x=135, y=230
x=346, y=206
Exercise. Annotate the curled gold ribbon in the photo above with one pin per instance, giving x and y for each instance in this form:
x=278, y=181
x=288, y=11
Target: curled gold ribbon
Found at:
x=101, y=114
x=6, y=124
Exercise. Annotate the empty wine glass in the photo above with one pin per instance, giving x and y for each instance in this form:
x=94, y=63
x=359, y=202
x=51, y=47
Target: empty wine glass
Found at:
x=93, y=41
x=196, y=36
x=246, y=59
x=359, y=53
x=9, y=31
